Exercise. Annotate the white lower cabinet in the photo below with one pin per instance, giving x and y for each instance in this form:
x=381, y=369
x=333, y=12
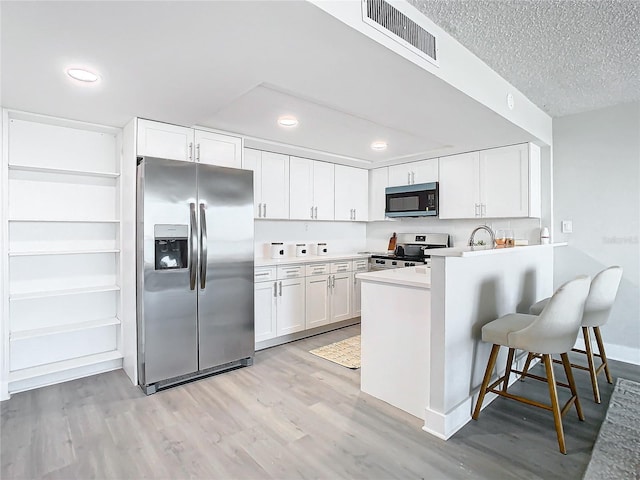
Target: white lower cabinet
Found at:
x=294, y=298
x=279, y=301
x=318, y=308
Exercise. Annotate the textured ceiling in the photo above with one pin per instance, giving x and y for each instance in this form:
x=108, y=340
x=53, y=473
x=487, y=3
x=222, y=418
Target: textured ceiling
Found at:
x=566, y=56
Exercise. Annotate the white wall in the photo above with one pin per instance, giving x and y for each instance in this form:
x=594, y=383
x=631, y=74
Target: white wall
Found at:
x=597, y=186
x=378, y=233
x=340, y=237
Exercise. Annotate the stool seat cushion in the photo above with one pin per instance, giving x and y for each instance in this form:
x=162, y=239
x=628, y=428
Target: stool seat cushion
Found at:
x=497, y=331
x=536, y=308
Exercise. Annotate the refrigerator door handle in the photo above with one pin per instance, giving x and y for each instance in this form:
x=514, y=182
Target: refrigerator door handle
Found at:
x=193, y=241
x=203, y=246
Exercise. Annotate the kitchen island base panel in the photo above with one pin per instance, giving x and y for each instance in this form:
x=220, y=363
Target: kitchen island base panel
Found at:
x=397, y=316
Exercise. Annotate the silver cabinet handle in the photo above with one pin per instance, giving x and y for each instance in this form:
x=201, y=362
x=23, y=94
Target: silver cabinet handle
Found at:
x=311, y=212
x=280, y=288
x=354, y=278
x=408, y=178
x=316, y=213
x=198, y=152
x=264, y=210
x=190, y=150
x=203, y=246
x=275, y=289
x=193, y=241
x=413, y=178
x=476, y=209
x=483, y=209
x=354, y=213
x=259, y=210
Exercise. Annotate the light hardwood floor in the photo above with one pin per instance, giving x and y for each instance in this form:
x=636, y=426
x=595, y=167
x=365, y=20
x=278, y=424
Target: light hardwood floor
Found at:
x=290, y=415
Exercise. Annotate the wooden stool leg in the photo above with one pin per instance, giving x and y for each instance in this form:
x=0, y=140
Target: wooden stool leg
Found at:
x=555, y=406
x=572, y=383
x=603, y=356
x=592, y=366
x=485, y=382
x=527, y=364
x=507, y=370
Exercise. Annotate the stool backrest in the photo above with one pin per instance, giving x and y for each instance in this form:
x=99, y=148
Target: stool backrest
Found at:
x=556, y=328
x=602, y=294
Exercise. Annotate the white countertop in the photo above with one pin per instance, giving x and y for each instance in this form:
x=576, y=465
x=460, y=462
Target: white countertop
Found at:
x=264, y=262
x=409, y=276
x=484, y=250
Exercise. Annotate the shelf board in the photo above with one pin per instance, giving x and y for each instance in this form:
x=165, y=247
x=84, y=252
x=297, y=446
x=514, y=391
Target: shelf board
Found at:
x=60, y=252
x=64, y=220
x=65, y=171
x=71, y=327
x=59, y=293
x=41, y=370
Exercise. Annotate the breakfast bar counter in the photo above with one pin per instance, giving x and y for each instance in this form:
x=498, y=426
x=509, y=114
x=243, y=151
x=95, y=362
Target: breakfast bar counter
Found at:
x=421, y=328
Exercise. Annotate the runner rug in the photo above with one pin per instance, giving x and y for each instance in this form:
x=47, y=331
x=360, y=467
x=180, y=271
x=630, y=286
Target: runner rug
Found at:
x=345, y=352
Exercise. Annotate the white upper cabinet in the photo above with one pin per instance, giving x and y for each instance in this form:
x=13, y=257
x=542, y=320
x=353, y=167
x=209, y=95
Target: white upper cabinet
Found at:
x=378, y=181
x=351, y=193
x=497, y=183
x=459, y=188
x=424, y=171
x=218, y=149
x=163, y=140
x=157, y=139
x=270, y=183
x=311, y=191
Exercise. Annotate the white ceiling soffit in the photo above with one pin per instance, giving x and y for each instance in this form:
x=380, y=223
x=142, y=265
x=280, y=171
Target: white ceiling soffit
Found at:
x=567, y=56
x=227, y=64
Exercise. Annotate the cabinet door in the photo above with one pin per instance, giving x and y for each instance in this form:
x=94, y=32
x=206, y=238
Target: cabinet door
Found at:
x=317, y=304
x=265, y=310
x=291, y=309
x=357, y=296
x=459, y=186
x=275, y=185
x=424, y=171
x=504, y=181
x=217, y=149
x=378, y=181
x=253, y=161
x=351, y=193
x=163, y=140
x=324, y=190
x=300, y=188
x=341, y=290
x=399, y=175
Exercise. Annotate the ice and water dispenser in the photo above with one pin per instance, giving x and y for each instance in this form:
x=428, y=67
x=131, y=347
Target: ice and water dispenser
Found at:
x=171, y=246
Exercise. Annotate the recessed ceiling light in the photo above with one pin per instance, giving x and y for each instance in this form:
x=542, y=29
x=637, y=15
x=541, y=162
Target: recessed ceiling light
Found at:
x=82, y=75
x=288, y=121
x=379, y=145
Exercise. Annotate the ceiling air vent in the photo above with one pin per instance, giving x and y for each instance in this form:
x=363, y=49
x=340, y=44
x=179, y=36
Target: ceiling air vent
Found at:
x=391, y=21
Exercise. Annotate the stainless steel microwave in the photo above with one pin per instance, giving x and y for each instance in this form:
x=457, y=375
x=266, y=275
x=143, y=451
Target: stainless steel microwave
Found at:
x=419, y=200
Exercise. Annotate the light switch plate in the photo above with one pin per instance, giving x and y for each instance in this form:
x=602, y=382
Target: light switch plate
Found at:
x=567, y=226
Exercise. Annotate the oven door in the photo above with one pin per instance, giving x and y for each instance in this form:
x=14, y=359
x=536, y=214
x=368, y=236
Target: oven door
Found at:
x=418, y=200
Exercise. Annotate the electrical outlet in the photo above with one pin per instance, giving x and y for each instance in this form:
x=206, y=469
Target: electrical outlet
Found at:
x=567, y=226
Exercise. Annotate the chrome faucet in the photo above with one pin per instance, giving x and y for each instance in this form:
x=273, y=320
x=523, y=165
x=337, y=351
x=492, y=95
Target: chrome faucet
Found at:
x=487, y=229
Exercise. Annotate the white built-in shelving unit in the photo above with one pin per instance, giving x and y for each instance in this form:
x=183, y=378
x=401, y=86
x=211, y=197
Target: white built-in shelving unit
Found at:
x=61, y=250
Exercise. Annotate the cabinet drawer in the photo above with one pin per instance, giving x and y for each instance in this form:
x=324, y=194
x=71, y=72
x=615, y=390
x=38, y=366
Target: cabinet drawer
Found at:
x=338, y=267
x=292, y=271
x=317, y=269
x=264, y=274
x=360, y=265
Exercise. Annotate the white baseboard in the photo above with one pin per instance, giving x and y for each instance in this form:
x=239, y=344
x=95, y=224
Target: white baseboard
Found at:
x=620, y=353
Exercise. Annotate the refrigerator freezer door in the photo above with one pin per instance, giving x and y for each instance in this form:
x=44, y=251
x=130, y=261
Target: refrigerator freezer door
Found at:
x=167, y=321
x=225, y=284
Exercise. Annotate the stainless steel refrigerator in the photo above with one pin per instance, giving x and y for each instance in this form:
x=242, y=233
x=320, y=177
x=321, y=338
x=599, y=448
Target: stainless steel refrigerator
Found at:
x=194, y=271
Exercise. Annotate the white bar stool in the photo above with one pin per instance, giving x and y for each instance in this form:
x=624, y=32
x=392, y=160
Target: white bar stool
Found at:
x=597, y=308
x=554, y=331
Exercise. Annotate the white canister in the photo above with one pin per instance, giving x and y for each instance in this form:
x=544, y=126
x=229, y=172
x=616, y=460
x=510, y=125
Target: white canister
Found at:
x=322, y=249
x=277, y=250
x=301, y=249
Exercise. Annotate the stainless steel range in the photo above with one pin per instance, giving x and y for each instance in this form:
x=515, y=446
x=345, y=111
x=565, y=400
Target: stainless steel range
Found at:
x=412, y=249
